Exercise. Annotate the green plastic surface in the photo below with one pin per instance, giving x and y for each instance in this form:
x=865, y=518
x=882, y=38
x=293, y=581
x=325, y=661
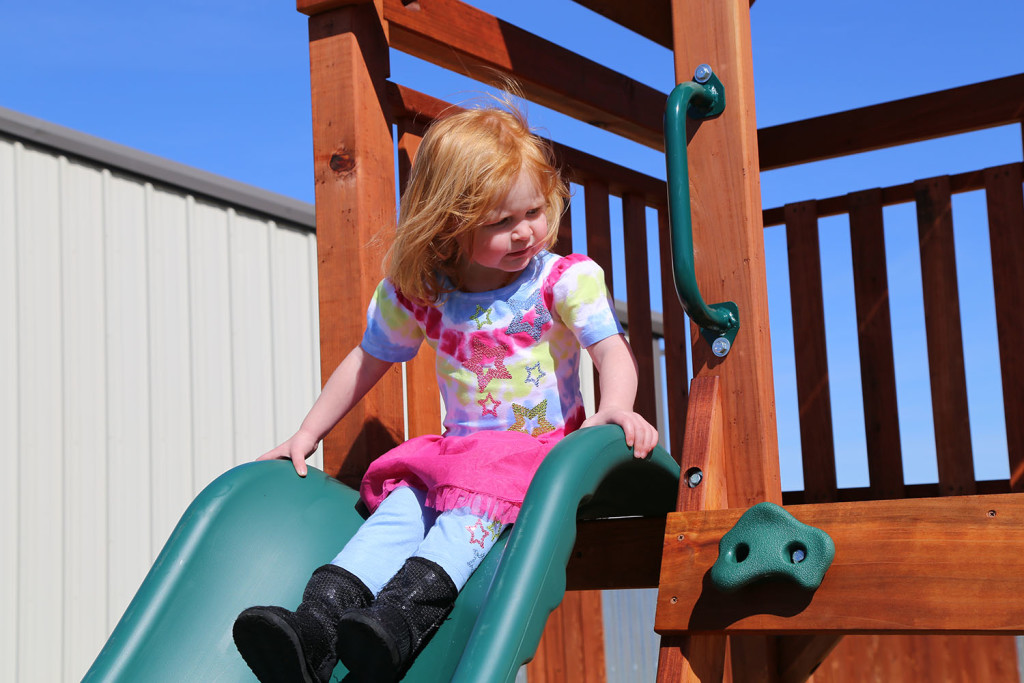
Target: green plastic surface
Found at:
x=255, y=535
x=692, y=100
x=768, y=543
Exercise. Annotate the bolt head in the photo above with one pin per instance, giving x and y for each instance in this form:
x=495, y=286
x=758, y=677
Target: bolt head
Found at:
x=720, y=347
x=702, y=74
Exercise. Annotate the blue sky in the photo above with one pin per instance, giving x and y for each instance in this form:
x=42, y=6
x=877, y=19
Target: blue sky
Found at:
x=224, y=86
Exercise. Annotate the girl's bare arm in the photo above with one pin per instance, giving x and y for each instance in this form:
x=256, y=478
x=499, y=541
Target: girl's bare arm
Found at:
x=618, y=381
x=349, y=382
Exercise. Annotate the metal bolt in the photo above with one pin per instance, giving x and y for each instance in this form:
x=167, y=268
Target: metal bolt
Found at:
x=720, y=347
x=694, y=479
x=798, y=556
x=702, y=74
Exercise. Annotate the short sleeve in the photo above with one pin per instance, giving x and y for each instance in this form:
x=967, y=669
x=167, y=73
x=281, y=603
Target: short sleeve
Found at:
x=582, y=301
x=392, y=332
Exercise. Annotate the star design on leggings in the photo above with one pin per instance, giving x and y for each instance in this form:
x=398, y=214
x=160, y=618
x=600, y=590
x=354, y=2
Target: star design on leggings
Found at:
x=476, y=528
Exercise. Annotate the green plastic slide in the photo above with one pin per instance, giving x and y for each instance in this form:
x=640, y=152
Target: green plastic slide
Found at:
x=254, y=536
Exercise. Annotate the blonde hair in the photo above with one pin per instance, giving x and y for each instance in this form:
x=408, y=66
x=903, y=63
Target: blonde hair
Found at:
x=465, y=166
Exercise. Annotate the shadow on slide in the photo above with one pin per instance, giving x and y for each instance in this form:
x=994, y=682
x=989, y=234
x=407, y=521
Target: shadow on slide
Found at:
x=254, y=536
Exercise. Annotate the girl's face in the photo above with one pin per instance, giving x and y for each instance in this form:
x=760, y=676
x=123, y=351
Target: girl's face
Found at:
x=510, y=235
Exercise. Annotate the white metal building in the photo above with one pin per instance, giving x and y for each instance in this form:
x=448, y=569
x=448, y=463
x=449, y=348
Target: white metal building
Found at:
x=157, y=326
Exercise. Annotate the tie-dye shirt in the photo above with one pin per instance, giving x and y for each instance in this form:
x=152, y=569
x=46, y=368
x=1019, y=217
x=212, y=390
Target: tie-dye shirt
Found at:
x=507, y=359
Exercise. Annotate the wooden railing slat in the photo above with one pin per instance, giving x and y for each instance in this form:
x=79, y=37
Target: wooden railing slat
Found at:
x=563, y=246
x=422, y=399
x=599, y=240
x=945, y=340
x=674, y=330
x=638, y=290
x=812, y=386
x=874, y=326
x=466, y=40
x=1005, y=201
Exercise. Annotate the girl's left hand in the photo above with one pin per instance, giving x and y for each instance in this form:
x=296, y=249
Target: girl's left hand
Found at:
x=641, y=436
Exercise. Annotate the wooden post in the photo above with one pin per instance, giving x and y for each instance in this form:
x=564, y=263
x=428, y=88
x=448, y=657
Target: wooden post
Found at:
x=355, y=198
x=725, y=193
x=688, y=659
x=728, y=243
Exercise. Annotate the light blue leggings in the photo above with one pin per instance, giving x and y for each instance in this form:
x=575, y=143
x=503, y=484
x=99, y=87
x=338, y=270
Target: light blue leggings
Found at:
x=402, y=526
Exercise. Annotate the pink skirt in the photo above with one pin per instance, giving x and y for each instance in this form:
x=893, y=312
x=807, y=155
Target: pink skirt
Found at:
x=487, y=472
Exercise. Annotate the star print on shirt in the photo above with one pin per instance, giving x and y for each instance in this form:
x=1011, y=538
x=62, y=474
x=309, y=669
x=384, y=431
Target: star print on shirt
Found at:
x=529, y=374
x=481, y=317
x=493, y=410
x=488, y=362
x=537, y=417
x=529, y=316
x=483, y=532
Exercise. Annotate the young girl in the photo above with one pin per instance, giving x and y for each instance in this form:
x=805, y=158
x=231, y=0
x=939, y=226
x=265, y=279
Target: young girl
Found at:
x=470, y=274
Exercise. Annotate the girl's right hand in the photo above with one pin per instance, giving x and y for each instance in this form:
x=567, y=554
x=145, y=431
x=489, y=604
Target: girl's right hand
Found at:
x=296, y=449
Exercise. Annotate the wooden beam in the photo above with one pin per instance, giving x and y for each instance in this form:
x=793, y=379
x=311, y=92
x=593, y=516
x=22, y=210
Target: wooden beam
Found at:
x=311, y=7
x=952, y=564
x=466, y=40
x=650, y=18
x=355, y=197
x=997, y=102
x=616, y=554
x=861, y=494
x=800, y=656
x=579, y=166
x=896, y=194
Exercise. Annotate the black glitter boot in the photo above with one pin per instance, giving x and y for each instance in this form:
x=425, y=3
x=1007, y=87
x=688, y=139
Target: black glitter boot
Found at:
x=281, y=646
x=380, y=642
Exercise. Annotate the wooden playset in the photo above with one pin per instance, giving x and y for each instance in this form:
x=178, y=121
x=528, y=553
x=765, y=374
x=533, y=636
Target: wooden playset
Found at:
x=920, y=570
x=920, y=582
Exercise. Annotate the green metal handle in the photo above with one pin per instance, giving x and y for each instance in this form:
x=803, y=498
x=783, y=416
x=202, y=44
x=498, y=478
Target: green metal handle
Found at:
x=703, y=98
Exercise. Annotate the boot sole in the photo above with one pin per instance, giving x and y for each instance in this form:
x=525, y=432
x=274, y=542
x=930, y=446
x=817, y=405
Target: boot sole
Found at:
x=270, y=647
x=366, y=649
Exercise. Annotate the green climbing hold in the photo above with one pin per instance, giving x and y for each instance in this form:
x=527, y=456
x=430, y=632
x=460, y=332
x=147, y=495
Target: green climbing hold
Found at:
x=768, y=543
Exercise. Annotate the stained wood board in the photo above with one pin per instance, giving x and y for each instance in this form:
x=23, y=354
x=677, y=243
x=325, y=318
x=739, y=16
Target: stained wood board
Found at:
x=952, y=565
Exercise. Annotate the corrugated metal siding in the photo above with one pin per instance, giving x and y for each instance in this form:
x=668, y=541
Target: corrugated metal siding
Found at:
x=150, y=339
x=630, y=643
